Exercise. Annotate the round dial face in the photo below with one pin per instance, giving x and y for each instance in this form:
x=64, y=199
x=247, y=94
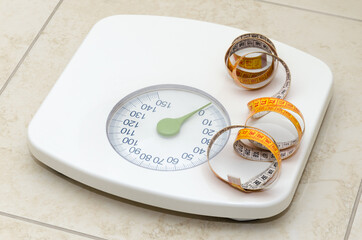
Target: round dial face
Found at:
x=166, y=127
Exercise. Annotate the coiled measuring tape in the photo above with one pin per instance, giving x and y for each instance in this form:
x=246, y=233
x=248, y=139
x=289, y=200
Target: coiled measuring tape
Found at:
x=265, y=178
x=250, y=68
x=264, y=148
x=286, y=109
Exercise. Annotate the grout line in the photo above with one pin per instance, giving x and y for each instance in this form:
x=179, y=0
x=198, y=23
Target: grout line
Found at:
x=30, y=47
x=310, y=10
x=354, y=210
x=28, y=220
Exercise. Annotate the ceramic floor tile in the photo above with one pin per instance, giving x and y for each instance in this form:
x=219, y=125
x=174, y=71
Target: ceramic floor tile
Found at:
x=18, y=230
x=349, y=8
x=20, y=22
x=356, y=230
x=329, y=184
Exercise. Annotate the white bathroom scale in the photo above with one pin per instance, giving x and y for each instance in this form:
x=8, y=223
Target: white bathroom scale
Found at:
x=98, y=123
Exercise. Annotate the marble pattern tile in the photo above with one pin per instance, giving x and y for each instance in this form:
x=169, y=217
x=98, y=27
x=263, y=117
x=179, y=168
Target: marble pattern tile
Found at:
x=348, y=8
x=20, y=22
x=356, y=230
x=19, y=230
x=324, y=199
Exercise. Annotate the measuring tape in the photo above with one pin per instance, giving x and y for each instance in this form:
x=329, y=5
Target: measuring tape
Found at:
x=247, y=63
x=250, y=68
x=284, y=108
x=265, y=178
x=265, y=148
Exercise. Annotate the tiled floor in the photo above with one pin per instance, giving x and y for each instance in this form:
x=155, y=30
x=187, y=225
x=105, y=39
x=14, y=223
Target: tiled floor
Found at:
x=20, y=24
x=350, y=9
x=37, y=40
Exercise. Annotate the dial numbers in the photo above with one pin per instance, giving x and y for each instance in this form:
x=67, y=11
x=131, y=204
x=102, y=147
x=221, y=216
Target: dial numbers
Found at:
x=132, y=127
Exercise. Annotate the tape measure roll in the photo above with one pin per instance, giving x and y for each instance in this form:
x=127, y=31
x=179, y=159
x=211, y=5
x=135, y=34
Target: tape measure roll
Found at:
x=253, y=69
x=265, y=148
x=261, y=180
x=247, y=63
x=286, y=109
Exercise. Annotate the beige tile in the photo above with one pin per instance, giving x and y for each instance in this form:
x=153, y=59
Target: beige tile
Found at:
x=356, y=231
x=20, y=22
x=14, y=229
x=324, y=198
x=348, y=8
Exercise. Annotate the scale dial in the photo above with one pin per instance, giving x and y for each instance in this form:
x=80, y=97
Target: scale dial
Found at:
x=136, y=132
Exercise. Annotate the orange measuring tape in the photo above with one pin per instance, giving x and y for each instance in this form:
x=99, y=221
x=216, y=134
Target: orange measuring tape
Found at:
x=263, y=148
x=265, y=178
x=258, y=108
x=252, y=61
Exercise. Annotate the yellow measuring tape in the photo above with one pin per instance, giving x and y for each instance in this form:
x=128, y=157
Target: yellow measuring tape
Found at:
x=252, y=61
x=264, y=147
x=286, y=109
x=265, y=178
x=248, y=65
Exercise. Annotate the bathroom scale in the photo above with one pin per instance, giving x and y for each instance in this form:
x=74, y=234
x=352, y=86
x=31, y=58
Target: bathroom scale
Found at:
x=98, y=124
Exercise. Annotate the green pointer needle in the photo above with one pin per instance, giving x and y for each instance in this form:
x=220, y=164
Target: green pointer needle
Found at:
x=171, y=126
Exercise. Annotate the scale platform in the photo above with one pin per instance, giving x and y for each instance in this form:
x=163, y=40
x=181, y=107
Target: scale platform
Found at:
x=126, y=53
